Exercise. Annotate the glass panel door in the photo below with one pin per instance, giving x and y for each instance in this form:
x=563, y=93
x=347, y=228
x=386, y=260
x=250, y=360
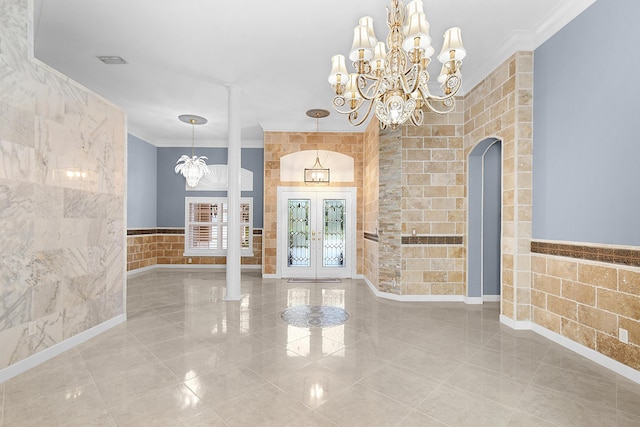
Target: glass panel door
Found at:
x=315, y=239
x=333, y=234
x=299, y=245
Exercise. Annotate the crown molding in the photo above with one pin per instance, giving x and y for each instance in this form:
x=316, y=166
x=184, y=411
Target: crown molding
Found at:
x=207, y=143
x=140, y=134
x=523, y=40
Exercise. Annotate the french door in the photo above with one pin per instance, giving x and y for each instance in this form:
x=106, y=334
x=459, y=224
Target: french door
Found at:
x=316, y=237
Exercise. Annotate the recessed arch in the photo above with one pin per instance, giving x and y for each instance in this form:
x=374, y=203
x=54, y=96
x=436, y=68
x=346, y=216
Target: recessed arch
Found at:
x=292, y=165
x=484, y=220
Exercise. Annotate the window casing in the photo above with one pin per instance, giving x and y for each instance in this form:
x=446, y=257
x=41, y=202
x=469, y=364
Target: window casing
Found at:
x=206, y=222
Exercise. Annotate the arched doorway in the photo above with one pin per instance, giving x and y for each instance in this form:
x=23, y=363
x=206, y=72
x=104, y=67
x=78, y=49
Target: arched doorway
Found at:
x=484, y=221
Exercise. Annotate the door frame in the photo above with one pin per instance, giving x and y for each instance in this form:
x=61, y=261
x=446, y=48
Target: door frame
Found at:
x=348, y=193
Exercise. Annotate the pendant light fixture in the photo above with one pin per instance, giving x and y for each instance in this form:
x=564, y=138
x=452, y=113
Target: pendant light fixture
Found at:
x=392, y=79
x=192, y=167
x=317, y=174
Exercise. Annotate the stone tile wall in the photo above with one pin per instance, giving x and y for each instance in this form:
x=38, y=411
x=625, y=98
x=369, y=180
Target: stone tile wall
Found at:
x=501, y=106
x=433, y=205
x=167, y=248
x=278, y=144
x=62, y=257
x=370, y=202
x=587, y=302
x=390, y=212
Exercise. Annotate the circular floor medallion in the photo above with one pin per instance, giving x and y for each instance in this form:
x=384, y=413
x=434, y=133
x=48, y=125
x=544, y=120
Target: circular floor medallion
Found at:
x=314, y=316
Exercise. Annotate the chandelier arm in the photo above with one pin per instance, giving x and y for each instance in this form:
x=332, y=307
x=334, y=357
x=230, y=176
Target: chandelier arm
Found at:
x=374, y=87
x=441, y=111
x=366, y=116
x=340, y=101
x=415, y=68
x=417, y=117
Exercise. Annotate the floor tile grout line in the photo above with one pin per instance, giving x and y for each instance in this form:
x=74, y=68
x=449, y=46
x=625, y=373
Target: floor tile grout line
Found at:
x=528, y=387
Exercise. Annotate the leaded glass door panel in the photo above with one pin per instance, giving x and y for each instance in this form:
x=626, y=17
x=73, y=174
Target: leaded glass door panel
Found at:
x=316, y=234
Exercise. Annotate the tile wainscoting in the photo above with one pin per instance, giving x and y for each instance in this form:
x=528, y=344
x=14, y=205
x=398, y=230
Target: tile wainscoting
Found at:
x=586, y=293
x=165, y=246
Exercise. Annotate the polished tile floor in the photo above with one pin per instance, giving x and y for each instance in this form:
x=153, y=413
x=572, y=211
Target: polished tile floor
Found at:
x=186, y=357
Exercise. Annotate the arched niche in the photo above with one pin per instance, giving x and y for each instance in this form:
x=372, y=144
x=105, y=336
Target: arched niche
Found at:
x=292, y=165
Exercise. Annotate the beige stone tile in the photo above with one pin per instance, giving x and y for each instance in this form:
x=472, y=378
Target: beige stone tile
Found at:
x=623, y=353
x=311, y=419
x=52, y=409
x=428, y=364
x=566, y=359
x=418, y=419
x=561, y=268
x=583, y=387
x=313, y=384
x=528, y=345
x=359, y=406
x=629, y=281
x=598, y=276
x=565, y=410
x=563, y=307
x=177, y=347
x=620, y=303
x=579, y=292
x=190, y=365
x=512, y=365
x=457, y=407
x=264, y=406
x=123, y=387
x=489, y=384
x=579, y=333
x=399, y=384
x=598, y=319
x=521, y=419
x=224, y=384
x=168, y=406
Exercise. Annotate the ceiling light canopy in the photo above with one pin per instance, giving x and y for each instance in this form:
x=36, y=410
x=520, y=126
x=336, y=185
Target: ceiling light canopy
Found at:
x=392, y=78
x=192, y=168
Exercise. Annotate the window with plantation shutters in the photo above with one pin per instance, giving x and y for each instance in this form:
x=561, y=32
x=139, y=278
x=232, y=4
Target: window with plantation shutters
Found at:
x=206, y=221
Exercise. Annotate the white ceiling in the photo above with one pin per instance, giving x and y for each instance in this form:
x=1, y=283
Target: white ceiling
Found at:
x=181, y=54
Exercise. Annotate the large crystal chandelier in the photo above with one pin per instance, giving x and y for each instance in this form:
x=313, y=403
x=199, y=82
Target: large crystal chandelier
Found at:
x=395, y=83
x=192, y=167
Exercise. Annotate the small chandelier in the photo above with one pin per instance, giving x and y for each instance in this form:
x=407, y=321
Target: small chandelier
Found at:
x=193, y=168
x=317, y=174
x=395, y=84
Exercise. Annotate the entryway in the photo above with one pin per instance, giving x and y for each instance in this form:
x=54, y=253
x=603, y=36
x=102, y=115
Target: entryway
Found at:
x=316, y=232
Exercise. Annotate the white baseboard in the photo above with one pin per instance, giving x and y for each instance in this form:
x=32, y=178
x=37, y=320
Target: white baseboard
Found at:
x=270, y=276
x=413, y=298
x=59, y=348
x=491, y=298
x=473, y=300
x=519, y=325
x=190, y=266
x=599, y=358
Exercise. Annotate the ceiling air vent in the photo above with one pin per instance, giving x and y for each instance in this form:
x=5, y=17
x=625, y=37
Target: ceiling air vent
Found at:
x=112, y=60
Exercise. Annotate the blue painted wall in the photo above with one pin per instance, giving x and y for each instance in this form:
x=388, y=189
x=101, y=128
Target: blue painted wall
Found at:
x=171, y=186
x=586, y=151
x=141, y=183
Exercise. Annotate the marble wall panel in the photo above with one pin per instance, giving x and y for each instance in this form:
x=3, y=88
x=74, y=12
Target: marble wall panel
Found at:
x=60, y=236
